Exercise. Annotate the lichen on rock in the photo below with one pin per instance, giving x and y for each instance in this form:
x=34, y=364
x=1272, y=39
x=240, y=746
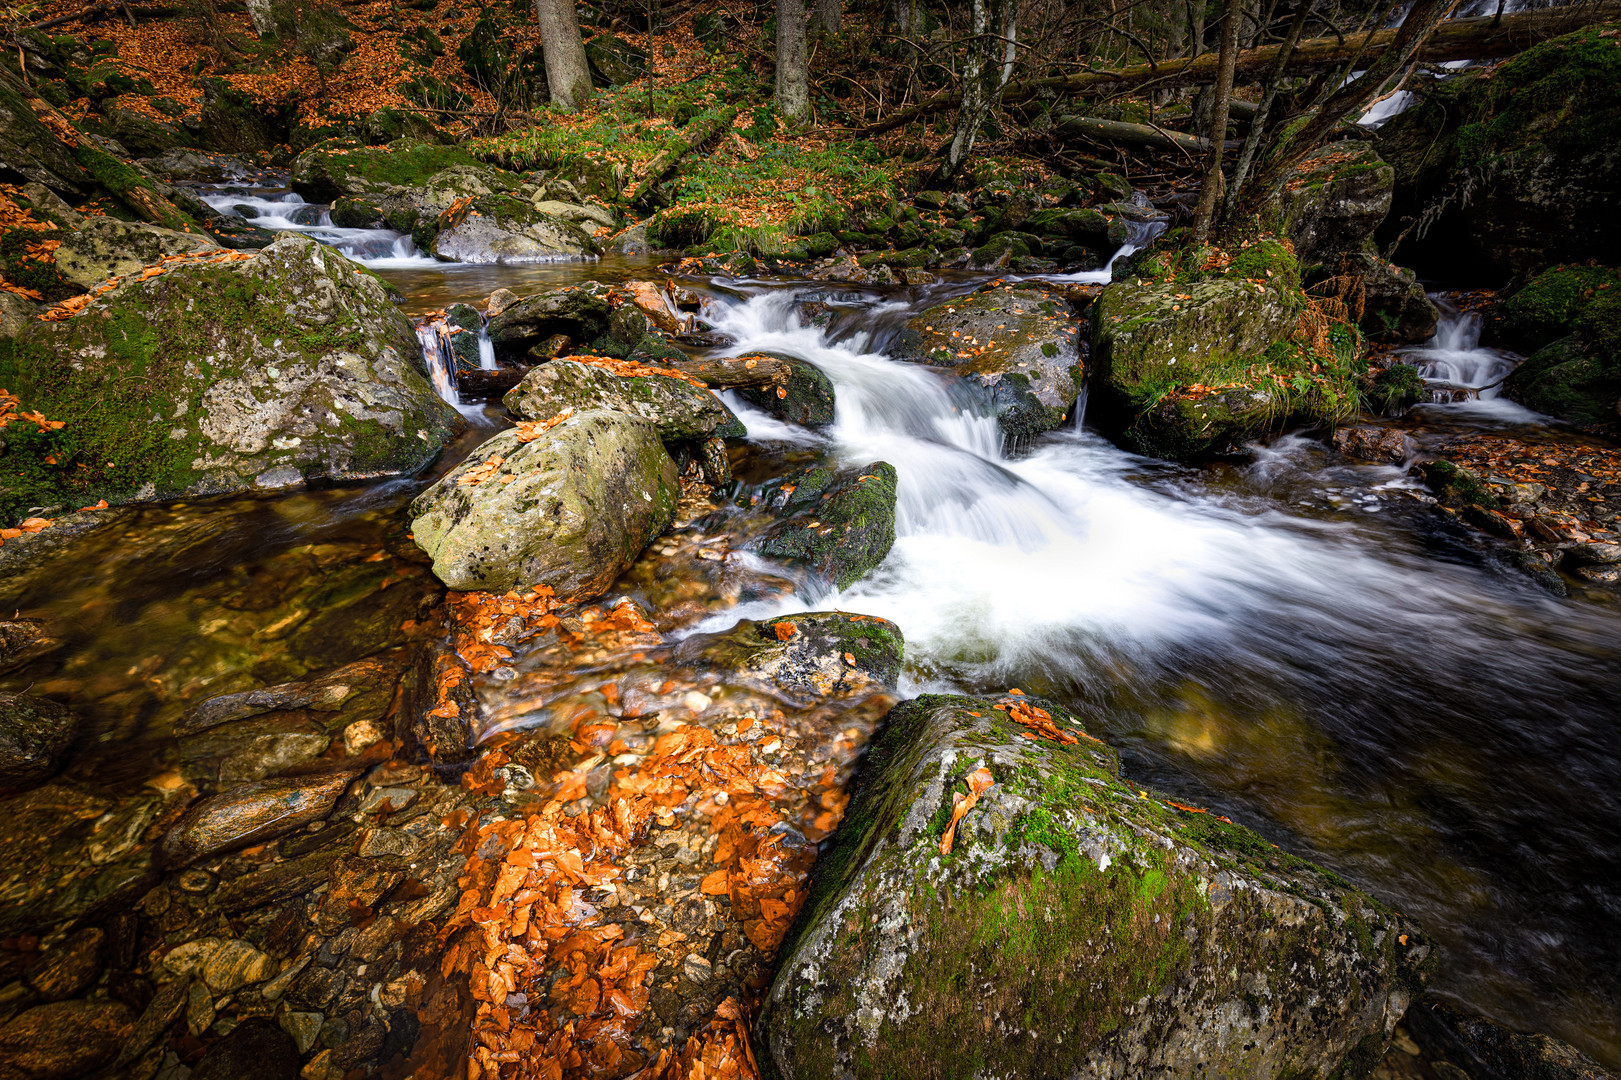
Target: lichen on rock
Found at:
x=1075, y=925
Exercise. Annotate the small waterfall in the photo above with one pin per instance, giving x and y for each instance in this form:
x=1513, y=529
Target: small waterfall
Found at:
x=1460, y=373
x=1139, y=234
x=434, y=336
x=486, y=347
x=288, y=212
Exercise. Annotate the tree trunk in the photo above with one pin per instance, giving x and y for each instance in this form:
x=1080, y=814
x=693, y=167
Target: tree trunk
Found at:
x=793, y=75
x=825, y=16
x=1211, y=187
x=1456, y=39
x=567, y=74
x=1125, y=133
x=1350, y=100
x=1274, y=79
x=986, y=70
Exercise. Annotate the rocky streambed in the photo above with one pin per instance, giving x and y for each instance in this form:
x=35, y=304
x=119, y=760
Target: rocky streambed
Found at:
x=770, y=674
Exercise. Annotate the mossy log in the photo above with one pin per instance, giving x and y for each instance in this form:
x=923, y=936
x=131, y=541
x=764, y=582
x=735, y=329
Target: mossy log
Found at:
x=1456, y=39
x=1125, y=133
x=688, y=139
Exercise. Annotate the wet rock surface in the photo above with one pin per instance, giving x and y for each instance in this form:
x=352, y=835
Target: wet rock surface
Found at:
x=1113, y=927
x=839, y=524
x=806, y=398
x=679, y=409
x=1021, y=346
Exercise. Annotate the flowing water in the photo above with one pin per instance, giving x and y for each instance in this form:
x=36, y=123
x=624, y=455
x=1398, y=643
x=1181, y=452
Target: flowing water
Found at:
x=1297, y=643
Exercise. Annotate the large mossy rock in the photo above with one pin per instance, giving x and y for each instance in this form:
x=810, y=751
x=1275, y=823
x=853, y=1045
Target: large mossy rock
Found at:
x=221, y=375
x=323, y=173
x=570, y=508
x=1193, y=363
x=1078, y=926
x=1569, y=320
x=840, y=525
x=1018, y=345
x=1330, y=207
x=103, y=246
x=506, y=229
x=1514, y=167
x=677, y=408
x=579, y=312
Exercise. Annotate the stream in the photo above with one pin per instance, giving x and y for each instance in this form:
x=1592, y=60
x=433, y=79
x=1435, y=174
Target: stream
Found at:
x=1297, y=642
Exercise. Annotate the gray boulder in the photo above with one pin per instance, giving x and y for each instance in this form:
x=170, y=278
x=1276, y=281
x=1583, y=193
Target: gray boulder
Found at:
x=579, y=312
x=104, y=246
x=1071, y=925
x=253, y=371
x=500, y=228
x=570, y=508
x=678, y=409
x=806, y=398
x=839, y=525
x=1020, y=348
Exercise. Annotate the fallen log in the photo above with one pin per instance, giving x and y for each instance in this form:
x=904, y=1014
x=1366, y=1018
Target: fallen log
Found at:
x=688, y=139
x=729, y=372
x=1482, y=38
x=487, y=384
x=1124, y=133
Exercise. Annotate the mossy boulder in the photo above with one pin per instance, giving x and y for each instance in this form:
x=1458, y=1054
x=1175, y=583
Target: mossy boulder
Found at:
x=1513, y=167
x=1078, y=925
x=1019, y=346
x=1194, y=362
x=569, y=508
x=677, y=408
x=580, y=312
x=839, y=525
x=102, y=247
x=219, y=375
x=806, y=398
x=809, y=657
x=1329, y=208
x=1569, y=319
x=614, y=61
x=28, y=147
x=500, y=228
x=323, y=173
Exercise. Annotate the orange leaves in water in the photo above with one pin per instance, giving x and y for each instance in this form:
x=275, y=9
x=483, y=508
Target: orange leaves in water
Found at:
x=720, y=1051
x=475, y=616
x=979, y=782
x=784, y=630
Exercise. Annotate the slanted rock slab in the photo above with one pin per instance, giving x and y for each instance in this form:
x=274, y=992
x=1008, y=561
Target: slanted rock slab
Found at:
x=1075, y=925
x=679, y=409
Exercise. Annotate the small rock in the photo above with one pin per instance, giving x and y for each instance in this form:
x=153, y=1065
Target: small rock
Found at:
x=359, y=735
x=1368, y=443
x=165, y=1008
x=397, y=798
x=253, y=812
x=70, y=968
x=35, y=735
x=256, y=1049
x=303, y=1027
x=697, y=969
x=199, y=1008
x=235, y=964
x=498, y=301
x=64, y=1039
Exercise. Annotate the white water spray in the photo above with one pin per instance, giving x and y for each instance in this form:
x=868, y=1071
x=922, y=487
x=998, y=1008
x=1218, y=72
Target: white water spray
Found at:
x=1454, y=364
x=382, y=249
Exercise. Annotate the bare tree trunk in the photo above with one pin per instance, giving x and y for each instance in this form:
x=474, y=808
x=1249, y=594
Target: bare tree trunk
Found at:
x=986, y=69
x=793, y=75
x=825, y=16
x=1211, y=187
x=1350, y=100
x=1274, y=78
x=567, y=74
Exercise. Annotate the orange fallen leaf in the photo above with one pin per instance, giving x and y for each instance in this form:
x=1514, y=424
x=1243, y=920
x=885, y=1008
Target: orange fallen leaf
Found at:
x=979, y=782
